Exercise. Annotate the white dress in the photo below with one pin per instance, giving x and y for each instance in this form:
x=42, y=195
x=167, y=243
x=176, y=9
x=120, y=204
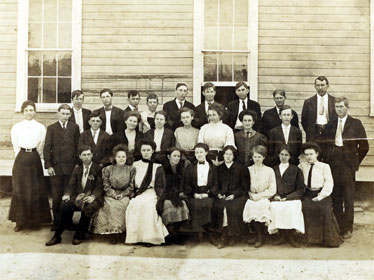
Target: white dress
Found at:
x=143, y=224
x=216, y=135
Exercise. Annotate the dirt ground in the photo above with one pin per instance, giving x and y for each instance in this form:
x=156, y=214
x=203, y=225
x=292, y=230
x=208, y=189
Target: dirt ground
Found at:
x=23, y=255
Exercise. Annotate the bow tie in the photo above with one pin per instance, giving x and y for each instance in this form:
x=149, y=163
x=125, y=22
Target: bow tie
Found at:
x=202, y=162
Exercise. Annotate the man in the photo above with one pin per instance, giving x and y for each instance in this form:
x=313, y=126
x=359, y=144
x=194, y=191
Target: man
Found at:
x=133, y=96
x=201, y=111
x=60, y=155
x=243, y=103
x=348, y=147
x=271, y=119
x=96, y=139
x=148, y=116
x=172, y=107
x=317, y=111
x=84, y=193
x=79, y=115
x=285, y=134
x=111, y=116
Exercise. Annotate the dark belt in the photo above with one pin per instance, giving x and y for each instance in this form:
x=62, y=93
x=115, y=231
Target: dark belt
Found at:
x=321, y=126
x=28, y=150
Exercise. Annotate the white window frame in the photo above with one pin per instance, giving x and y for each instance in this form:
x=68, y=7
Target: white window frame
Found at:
x=198, y=64
x=22, y=54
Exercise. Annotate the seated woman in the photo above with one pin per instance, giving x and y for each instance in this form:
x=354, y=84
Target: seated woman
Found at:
x=321, y=226
x=118, y=183
x=169, y=188
x=233, y=185
x=263, y=187
x=216, y=134
x=199, y=183
x=247, y=138
x=286, y=214
x=143, y=224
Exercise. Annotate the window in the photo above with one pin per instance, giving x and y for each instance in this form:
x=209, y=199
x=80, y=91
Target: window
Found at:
x=49, y=51
x=225, y=43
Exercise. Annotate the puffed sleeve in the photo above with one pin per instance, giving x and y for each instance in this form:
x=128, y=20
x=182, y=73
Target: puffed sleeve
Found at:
x=40, y=145
x=328, y=182
x=129, y=191
x=14, y=133
x=271, y=190
x=230, y=139
x=106, y=182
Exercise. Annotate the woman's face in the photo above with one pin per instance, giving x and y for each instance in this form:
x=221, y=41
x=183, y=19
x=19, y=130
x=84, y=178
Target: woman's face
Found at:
x=186, y=118
x=131, y=122
x=248, y=122
x=228, y=156
x=29, y=113
x=213, y=116
x=121, y=157
x=159, y=121
x=311, y=155
x=146, y=151
x=174, y=157
x=258, y=158
x=284, y=156
x=200, y=154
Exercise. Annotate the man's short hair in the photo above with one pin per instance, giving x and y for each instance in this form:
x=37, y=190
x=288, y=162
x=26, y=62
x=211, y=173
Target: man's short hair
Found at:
x=284, y=107
x=180, y=85
x=280, y=92
x=83, y=148
x=133, y=93
x=152, y=96
x=106, y=90
x=209, y=85
x=342, y=99
x=76, y=93
x=64, y=107
x=241, y=83
x=321, y=78
x=96, y=114
x=203, y=146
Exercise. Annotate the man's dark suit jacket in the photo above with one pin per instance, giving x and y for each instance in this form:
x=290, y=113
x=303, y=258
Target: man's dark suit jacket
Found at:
x=61, y=148
x=86, y=117
x=93, y=184
x=190, y=181
x=120, y=138
x=276, y=139
x=99, y=149
x=290, y=185
x=270, y=119
x=172, y=111
x=167, y=140
x=355, y=143
x=309, y=115
x=116, y=119
x=233, y=109
x=200, y=115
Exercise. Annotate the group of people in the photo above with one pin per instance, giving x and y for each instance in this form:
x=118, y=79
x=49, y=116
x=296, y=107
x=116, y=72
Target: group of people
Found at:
x=226, y=172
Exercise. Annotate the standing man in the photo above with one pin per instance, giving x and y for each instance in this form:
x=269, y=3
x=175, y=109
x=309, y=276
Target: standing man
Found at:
x=133, y=96
x=79, y=116
x=348, y=147
x=111, y=116
x=317, y=111
x=243, y=103
x=172, y=107
x=271, y=117
x=60, y=155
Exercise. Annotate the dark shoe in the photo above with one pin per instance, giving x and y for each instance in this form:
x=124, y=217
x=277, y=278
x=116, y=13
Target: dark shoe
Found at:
x=213, y=240
x=17, y=228
x=293, y=241
x=259, y=242
x=53, y=228
x=76, y=240
x=113, y=241
x=347, y=235
x=221, y=244
x=280, y=240
x=54, y=240
x=251, y=240
x=232, y=241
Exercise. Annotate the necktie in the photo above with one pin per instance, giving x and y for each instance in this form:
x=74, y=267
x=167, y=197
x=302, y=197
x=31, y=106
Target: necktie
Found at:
x=338, y=135
x=286, y=133
x=93, y=136
x=86, y=172
x=64, y=126
x=135, y=109
x=309, y=185
x=321, y=108
x=244, y=107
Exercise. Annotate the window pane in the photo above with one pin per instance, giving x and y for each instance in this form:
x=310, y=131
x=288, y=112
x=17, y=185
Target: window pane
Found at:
x=240, y=39
x=35, y=35
x=211, y=13
x=64, y=12
x=64, y=35
x=50, y=36
x=64, y=90
x=35, y=10
x=225, y=67
x=241, y=13
x=210, y=38
x=34, y=89
x=210, y=67
x=226, y=13
x=240, y=67
x=49, y=64
x=64, y=64
x=225, y=38
x=50, y=10
x=35, y=63
x=49, y=90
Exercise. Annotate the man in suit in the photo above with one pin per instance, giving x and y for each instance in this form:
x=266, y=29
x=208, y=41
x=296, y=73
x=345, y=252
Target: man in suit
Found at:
x=79, y=115
x=84, y=193
x=172, y=107
x=111, y=116
x=201, y=111
x=348, y=146
x=235, y=107
x=96, y=139
x=317, y=111
x=60, y=155
x=133, y=96
x=285, y=134
x=271, y=119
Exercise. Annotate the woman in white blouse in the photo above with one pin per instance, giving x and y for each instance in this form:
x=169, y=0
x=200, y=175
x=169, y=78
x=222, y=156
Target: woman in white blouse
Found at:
x=29, y=207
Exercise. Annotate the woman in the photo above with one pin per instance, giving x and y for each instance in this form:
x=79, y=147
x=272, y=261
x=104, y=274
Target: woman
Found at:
x=286, y=214
x=169, y=188
x=143, y=224
x=233, y=184
x=118, y=185
x=247, y=138
x=263, y=187
x=29, y=206
x=321, y=226
x=216, y=134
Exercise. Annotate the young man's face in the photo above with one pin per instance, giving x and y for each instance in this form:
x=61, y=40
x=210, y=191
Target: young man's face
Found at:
x=200, y=154
x=78, y=101
x=321, y=87
x=286, y=116
x=242, y=92
x=181, y=93
x=134, y=100
x=159, y=121
x=209, y=94
x=106, y=98
x=311, y=155
x=152, y=104
x=341, y=109
x=95, y=123
x=86, y=157
x=63, y=115
x=279, y=100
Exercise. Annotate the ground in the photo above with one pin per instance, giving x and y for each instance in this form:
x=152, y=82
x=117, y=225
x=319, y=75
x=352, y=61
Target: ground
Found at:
x=23, y=255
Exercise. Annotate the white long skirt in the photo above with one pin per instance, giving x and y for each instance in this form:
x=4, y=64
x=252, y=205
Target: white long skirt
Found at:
x=286, y=215
x=143, y=224
x=258, y=211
